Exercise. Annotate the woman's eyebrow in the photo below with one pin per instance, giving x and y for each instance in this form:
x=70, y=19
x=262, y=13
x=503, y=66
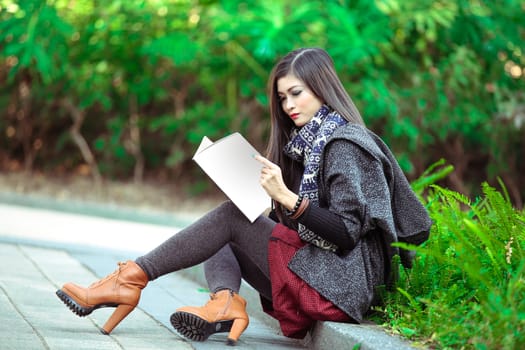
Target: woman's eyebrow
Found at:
x=290, y=88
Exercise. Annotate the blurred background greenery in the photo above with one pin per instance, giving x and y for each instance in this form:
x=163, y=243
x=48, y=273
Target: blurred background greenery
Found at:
x=125, y=90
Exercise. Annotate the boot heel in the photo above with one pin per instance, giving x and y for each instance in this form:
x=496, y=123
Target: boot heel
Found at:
x=118, y=315
x=239, y=325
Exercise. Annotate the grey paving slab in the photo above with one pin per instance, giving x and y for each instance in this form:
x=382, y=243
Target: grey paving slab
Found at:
x=37, y=319
x=30, y=275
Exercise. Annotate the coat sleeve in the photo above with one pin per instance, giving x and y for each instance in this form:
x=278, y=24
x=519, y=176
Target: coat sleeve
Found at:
x=354, y=185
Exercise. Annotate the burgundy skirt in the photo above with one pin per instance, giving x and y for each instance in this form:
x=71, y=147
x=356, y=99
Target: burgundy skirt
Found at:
x=295, y=304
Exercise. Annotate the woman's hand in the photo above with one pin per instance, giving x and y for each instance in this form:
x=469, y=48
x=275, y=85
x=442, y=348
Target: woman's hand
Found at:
x=273, y=183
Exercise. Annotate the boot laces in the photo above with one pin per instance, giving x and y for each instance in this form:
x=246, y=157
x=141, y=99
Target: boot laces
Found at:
x=110, y=276
x=213, y=297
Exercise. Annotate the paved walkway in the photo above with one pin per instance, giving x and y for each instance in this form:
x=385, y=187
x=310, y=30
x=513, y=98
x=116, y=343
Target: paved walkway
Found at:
x=41, y=249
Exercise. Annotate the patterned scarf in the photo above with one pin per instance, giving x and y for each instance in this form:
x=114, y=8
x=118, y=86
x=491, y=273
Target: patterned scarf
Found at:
x=306, y=145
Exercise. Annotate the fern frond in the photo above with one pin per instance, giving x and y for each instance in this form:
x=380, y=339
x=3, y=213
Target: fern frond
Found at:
x=430, y=177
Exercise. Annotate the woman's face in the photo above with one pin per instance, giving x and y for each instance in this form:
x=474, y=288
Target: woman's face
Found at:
x=297, y=100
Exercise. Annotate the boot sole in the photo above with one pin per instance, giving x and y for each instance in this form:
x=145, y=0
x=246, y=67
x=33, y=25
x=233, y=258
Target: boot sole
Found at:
x=78, y=309
x=196, y=328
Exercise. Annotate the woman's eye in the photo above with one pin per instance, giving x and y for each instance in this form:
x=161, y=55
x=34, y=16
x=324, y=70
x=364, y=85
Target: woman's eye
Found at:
x=293, y=93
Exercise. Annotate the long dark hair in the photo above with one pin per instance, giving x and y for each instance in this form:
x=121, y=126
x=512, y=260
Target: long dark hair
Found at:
x=315, y=68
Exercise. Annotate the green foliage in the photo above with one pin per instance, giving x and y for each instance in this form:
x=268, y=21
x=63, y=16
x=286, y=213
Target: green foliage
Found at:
x=466, y=288
x=36, y=38
x=436, y=79
x=432, y=175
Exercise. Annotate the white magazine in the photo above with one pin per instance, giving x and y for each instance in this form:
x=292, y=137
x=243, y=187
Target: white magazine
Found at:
x=230, y=163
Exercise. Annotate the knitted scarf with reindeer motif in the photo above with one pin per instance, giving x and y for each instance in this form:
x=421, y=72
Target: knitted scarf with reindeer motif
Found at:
x=306, y=145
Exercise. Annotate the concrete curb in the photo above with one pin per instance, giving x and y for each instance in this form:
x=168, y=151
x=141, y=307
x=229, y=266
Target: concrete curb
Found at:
x=325, y=335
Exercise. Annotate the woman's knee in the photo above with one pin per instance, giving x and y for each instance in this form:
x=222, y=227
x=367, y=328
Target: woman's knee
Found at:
x=228, y=209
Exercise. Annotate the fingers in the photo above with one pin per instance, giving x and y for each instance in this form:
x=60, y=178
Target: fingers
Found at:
x=271, y=178
x=268, y=169
x=265, y=162
x=270, y=172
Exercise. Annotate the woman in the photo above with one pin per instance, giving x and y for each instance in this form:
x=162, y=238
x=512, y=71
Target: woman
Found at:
x=339, y=201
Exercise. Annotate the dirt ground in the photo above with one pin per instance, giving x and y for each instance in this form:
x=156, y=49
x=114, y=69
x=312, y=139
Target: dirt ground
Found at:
x=167, y=197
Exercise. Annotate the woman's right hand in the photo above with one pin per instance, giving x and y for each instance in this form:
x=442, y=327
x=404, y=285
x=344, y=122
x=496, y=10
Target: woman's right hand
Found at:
x=273, y=183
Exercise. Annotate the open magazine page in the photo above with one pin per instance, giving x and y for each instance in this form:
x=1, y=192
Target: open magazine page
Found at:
x=230, y=163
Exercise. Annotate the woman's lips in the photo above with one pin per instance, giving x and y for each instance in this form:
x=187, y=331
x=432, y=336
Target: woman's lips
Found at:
x=294, y=116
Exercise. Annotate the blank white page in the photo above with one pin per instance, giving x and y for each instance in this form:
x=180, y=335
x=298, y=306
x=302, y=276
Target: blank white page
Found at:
x=230, y=163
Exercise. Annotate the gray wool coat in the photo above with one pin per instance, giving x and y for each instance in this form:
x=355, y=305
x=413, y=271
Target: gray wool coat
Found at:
x=360, y=179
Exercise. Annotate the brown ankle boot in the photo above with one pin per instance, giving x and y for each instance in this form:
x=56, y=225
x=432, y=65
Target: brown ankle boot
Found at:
x=224, y=312
x=121, y=289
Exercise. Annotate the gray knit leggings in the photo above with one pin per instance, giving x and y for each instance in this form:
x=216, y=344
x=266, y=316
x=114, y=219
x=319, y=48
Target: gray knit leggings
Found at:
x=229, y=245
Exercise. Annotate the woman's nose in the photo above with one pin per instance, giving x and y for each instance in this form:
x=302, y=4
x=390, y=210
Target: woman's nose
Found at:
x=289, y=104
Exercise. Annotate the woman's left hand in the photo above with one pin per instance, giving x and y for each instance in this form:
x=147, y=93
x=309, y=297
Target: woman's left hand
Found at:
x=273, y=183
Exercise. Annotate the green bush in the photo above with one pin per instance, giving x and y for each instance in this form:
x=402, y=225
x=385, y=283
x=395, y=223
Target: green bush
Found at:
x=466, y=289
x=96, y=82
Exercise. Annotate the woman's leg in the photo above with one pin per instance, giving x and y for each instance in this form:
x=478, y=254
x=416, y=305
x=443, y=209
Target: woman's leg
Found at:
x=225, y=269
x=226, y=310
x=213, y=240
x=222, y=271
x=207, y=236
x=222, y=227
